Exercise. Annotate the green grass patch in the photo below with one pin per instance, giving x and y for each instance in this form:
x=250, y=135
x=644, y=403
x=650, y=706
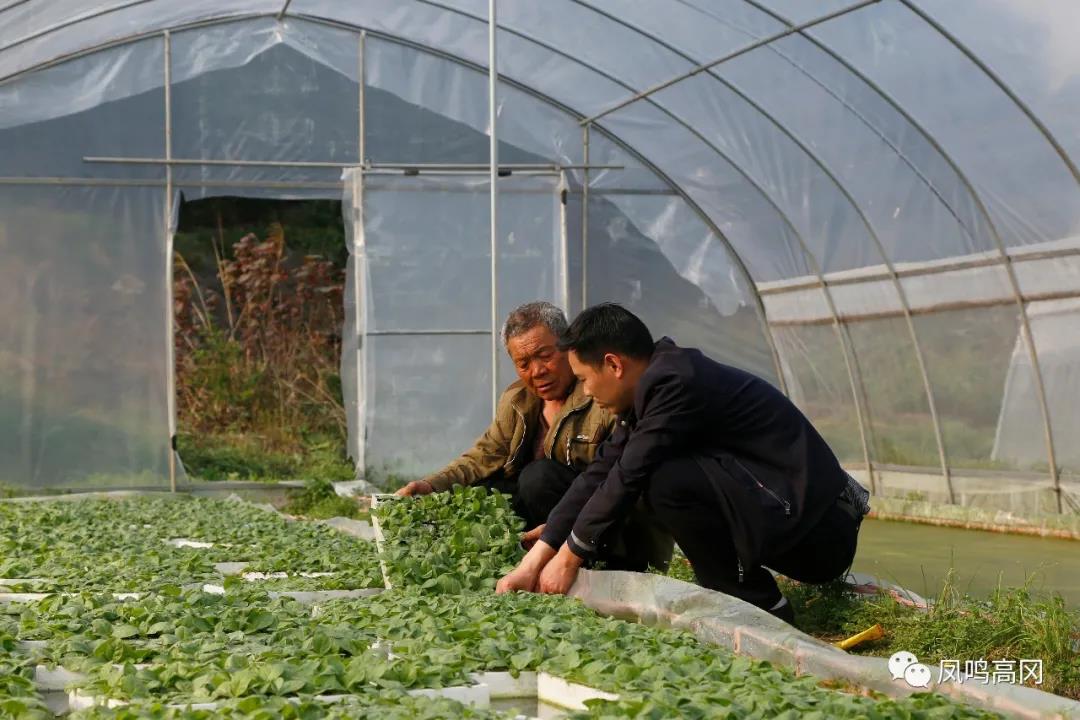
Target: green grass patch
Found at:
x=1012, y=624
x=251, y=457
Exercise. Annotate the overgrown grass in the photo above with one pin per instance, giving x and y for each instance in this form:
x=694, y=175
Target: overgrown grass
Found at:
x=248, y=456
x=318, y=500
x=258, y=343
x=1013, y=624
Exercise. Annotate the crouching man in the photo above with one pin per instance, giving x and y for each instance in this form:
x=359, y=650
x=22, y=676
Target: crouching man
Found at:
x=545, y=432
x=723, y=460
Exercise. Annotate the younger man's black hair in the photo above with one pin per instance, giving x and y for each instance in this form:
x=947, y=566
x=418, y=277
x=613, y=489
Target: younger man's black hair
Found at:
x=607, y=328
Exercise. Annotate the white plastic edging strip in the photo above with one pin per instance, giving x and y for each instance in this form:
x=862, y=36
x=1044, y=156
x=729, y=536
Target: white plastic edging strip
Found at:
x=379, y=540
x=188, y=543
x=476, y=696
x=22, y=581
x=22, y=597
x=310, y=597
x=556, y=691
x=230, y=568
x=257, y=576
x=34, y=597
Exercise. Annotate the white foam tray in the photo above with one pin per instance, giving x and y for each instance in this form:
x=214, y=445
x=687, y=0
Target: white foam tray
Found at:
x=503, y=685
x=49, y=679
x=572, y=696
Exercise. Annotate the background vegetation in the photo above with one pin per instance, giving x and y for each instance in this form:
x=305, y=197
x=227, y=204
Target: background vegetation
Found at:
x=258, y=304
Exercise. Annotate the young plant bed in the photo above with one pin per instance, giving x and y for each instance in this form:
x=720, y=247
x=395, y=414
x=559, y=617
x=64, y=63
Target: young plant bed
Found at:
x=450, y=542
x=197, y=648
x=134, y=544
x=183, y=646
x=670, y=673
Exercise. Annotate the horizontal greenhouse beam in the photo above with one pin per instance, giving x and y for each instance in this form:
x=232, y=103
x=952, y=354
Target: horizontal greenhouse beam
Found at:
x=432, y=167
x=116, y=182
x=929, y=310
x=1034, y=476
x=762, y=42
x=408, y=333
x=935, y=269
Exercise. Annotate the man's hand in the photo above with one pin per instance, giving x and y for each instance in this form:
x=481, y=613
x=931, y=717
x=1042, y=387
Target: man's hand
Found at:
x=559, y=574
x=416, y=487
x=520, y=579
x=525, y=575
x=528, y=539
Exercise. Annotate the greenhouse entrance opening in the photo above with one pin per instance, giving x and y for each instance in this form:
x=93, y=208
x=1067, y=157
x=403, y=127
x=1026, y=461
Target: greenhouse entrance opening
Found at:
x=258, y=316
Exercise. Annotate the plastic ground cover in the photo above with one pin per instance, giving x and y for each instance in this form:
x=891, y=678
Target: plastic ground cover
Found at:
x=726, y=621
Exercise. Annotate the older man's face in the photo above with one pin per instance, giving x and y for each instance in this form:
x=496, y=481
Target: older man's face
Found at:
x=540, y=365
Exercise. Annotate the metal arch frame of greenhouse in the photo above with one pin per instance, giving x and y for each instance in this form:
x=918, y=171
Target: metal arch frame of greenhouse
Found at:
x=1004, y=259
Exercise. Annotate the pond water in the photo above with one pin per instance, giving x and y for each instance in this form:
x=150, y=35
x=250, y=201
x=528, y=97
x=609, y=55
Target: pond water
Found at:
x=917, y=557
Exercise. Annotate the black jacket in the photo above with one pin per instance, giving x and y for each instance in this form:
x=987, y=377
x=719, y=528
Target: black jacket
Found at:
x=773, y=473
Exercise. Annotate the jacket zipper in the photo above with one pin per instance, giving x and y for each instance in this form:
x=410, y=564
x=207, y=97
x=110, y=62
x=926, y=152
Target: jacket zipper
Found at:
x=558, y=429
x=739, y=562
x=777, y=498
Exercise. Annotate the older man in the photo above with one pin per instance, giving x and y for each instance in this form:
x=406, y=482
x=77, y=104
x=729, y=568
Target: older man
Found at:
x=545, y=429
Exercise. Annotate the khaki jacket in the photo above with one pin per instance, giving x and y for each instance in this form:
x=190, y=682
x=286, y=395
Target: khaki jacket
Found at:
x=572, y=439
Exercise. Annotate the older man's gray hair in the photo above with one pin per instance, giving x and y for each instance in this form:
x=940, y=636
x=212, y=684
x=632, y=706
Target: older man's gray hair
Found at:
x=525, y=317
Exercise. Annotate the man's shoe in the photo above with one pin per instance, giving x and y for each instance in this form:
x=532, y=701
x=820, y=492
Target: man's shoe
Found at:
x=784, y=611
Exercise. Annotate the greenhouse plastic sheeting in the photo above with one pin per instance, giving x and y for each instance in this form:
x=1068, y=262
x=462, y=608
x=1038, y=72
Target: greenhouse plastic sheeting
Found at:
x=83, y=359
x=424, y=328
x=880, y=212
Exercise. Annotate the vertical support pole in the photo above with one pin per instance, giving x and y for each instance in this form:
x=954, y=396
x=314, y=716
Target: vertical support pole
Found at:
x=858, y=388
x=360, y=74
x=358, y=253
x=493, y=80
x=585, y=219
x=170, y=352
x=563, y=191
x=1036, y=369
x=358, y=258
